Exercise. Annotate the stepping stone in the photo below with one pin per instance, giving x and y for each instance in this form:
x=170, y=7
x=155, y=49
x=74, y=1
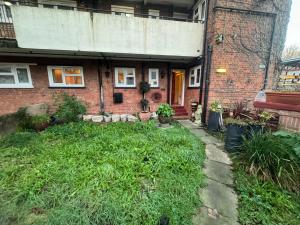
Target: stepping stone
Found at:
x=218, y=171
x=220, y=197
x=207, y=216
x=215, y=154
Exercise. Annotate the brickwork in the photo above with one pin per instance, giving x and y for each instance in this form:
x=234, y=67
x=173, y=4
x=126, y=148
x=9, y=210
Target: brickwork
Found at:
x=244, y=52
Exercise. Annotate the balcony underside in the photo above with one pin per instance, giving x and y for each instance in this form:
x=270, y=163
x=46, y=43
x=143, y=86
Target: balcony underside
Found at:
x=77, y=31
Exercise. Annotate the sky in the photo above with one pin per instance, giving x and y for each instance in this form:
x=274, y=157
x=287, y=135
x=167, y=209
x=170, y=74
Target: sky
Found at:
x=293, y=34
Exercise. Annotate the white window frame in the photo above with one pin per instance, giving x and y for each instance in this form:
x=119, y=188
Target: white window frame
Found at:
x=14, y=73
x=63, y=84
x=57, y=3
x=157, y=77
x=125, y=71
x=5, y=18
x=198, y=9
x=123, y=10
x=196, y=84
x=153, y=13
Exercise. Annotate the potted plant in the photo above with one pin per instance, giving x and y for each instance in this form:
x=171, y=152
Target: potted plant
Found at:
x=215, y=116
x=258, y=121
x=165, y=113
x=145, y=115
x=236, y=127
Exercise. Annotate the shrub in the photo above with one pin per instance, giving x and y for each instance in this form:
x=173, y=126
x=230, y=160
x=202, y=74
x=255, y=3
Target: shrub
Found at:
x=215, y=107
x=40, y=122
x=24, y=120
x=165, y=110
x=70, y=108
x=270, y=158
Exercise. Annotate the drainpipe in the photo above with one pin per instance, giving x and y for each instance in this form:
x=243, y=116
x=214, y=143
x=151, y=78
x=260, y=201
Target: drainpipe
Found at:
x=168, y=83
x=204, y=50
x=207, y=82
x=270, y=53
x=101, y=96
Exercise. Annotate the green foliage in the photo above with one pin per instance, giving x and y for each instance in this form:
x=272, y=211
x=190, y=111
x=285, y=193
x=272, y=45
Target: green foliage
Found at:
x=144, y=87
x=165, y=110
x=69, y=108
x=264, y=117
x=24, y=120
x=84, y=174
x=36, y=120
x=264, y=202
x=270, y=158
x=292, y=140
x=215, y=107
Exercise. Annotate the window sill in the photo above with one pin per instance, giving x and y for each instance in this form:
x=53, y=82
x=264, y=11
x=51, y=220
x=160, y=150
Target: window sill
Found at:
x=16, y=87
x=192, y=87
x=125, y=87
x=65, y=87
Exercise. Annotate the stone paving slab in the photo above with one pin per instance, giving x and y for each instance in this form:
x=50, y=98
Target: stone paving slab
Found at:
x=218, y=172
x=220, y=197
x=215, y=154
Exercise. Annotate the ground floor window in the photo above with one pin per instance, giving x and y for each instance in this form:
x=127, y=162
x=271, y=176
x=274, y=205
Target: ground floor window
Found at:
x=65, y=76
x=15, y=76
x=124, y=77
x=195, y=76
x=154, y=77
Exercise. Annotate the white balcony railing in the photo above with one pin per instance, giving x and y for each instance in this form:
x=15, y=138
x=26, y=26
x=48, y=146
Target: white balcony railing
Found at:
x=55, y=29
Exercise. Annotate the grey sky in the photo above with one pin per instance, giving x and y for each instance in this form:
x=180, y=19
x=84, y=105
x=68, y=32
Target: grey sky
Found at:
x=293, y=34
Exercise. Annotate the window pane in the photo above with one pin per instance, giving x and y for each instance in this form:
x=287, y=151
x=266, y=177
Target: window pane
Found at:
x=153, y=75
x=130, y=72
x=192, y=80
x=120, y=77
x=130, y=80
x=22, y=75
x=5, y=70
x=7, y=79
x=73, y=79
x=57, y=75
x=192, y=72
x=72, y=71
x=198, y=75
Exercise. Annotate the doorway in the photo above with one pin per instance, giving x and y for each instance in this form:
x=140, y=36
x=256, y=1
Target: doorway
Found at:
x=177, y=87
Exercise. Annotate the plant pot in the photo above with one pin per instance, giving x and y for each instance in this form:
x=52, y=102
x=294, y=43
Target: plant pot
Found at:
x=145, y=116
x=214, y=119
x=254, y=129
x=234, y=137
x=164, y=120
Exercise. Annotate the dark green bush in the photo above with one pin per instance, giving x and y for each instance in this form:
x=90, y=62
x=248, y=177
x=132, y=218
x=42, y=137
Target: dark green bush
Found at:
x=270, y=158
x=24, y=120
x=69, y=108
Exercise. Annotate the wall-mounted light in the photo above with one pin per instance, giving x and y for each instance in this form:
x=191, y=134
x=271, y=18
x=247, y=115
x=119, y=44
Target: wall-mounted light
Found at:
x=7, y=3
x=221, y=70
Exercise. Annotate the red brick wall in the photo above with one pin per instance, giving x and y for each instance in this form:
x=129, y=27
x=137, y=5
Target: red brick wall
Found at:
x=13, y=98
x=132, y=96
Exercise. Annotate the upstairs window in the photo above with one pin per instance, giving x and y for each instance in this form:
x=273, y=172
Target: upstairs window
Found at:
x=199, y=10
x=15, y=76
x=153, y=14
x=154, y=77
x=122, y=10
x=5, y=14
x=58, y=4
x=124, y=77
x=202, y=15
x=195, y=76
x=65, y=76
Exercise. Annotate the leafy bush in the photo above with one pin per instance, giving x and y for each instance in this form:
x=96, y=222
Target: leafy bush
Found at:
x=69, y=108
x=290, y=139
x=24, y=120
x=215, y=107
x=165, y=110
x=270, y=158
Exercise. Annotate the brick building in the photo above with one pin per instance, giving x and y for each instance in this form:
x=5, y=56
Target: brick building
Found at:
x=189, y=51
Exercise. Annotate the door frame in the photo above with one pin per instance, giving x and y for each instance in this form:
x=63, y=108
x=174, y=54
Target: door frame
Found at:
x=183, y=85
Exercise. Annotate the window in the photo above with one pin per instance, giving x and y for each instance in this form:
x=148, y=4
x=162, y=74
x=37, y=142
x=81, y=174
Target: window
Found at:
x=195, y=76
x=5, y=14
x=65, y=76
x=199, y=10
x=124, y=77
x=153, y=14
x=15, y=76
x=122, y=10
x=154, y=77
x=58, y=4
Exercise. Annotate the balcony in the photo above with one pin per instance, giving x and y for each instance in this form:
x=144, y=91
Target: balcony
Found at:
x=101, y=32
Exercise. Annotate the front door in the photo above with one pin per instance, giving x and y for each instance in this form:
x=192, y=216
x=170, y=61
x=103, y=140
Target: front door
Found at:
x=177, y=88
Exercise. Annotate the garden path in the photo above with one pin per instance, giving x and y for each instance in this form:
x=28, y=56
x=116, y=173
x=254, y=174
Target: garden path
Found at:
x=218, y=196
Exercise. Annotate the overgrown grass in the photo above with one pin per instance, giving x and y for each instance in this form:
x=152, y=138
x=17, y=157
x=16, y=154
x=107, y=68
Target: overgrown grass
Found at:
x=264, y=203
x=112, y=174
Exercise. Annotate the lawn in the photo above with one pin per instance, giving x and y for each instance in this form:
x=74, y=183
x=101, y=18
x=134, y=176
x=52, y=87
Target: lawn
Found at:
x=112, y=174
